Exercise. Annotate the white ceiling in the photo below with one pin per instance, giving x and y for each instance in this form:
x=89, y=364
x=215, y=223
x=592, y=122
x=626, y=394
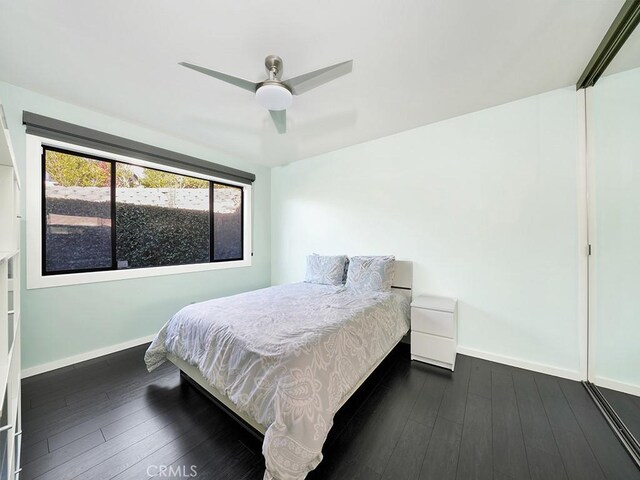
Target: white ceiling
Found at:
x=415, y=62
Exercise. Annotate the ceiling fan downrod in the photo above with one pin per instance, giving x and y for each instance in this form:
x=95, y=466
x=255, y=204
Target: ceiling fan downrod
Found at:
x=273, y=63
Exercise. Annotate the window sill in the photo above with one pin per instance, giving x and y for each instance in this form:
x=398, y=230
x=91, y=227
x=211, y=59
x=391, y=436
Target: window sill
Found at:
x=40, y=281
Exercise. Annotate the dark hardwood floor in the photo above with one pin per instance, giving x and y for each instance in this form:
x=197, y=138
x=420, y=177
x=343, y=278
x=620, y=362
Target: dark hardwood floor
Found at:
x=109, y=418
x=627, y=407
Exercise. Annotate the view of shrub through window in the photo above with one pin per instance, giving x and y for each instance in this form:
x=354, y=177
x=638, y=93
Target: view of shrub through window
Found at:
x=160, y=218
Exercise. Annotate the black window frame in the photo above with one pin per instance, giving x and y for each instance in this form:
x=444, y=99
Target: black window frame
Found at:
x=112, y=186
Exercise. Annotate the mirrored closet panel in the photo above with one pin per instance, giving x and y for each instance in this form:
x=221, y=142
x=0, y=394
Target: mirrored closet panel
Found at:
x=613, y=145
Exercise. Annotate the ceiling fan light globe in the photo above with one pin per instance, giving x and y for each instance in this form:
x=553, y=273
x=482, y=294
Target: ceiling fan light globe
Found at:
x=274, y=97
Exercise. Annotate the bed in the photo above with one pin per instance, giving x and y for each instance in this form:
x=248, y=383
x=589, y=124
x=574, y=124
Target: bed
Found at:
x=284, y=359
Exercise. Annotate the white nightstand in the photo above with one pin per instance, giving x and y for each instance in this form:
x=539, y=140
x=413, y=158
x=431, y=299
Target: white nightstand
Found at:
x=434, y=330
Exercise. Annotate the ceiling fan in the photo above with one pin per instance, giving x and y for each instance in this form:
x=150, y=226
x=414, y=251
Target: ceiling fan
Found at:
x=275, y=94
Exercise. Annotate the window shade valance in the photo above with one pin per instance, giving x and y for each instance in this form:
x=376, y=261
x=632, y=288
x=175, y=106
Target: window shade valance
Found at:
x=67, y=132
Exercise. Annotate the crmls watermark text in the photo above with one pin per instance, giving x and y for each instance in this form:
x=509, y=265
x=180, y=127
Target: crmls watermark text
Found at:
x=173, y=471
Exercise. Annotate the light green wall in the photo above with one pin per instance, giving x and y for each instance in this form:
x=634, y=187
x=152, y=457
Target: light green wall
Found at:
x=615, y=110
x=66, y=321
x=485, y=205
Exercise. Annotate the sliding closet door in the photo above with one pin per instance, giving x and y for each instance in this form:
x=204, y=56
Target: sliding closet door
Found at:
x=613, y=107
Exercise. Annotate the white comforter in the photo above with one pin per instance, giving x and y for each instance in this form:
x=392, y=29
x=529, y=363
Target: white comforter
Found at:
x=288, y=356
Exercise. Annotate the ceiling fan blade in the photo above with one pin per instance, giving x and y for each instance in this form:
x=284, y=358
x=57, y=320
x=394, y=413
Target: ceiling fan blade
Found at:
x=279, y=118
x=238, y=82
x=306, y=82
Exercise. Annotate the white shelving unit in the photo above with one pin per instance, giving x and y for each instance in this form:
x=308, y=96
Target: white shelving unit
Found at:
x=10, y=419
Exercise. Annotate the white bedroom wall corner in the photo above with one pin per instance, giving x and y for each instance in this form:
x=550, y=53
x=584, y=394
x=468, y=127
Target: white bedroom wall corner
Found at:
x=283, y=264
x=268, y=184
x=274, y=220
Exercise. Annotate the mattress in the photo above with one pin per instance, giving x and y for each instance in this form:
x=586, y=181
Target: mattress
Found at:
x=286, y=356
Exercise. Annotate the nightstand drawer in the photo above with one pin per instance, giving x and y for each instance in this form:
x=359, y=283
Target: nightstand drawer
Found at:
x=433, y=347
x=434, y=322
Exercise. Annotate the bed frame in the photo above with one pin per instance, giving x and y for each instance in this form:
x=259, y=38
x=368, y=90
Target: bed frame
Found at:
x=402, y=281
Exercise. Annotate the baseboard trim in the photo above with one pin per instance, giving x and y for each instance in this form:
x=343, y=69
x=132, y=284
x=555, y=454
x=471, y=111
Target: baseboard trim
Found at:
x=65, y=362
x=616, y=385
x=472, y=352
x=519, y=363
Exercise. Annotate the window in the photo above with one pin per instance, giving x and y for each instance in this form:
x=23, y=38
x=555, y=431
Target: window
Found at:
x=100, y=214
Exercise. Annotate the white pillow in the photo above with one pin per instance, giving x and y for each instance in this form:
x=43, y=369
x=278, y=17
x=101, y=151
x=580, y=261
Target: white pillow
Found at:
x=325, y=269
x=371, y=274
